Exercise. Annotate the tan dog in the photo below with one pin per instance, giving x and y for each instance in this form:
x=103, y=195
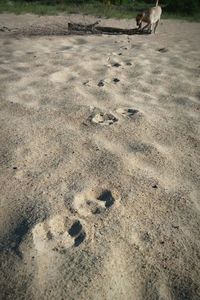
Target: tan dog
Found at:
x=151, y=17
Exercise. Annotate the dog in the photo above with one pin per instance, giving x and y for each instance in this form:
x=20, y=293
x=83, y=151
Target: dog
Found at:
x=151, y=17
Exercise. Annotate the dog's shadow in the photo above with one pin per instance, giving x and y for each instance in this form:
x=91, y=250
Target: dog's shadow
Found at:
x=139, y=31
x=145, y=31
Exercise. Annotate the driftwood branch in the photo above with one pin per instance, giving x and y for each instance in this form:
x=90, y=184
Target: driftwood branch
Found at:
x=93, y=29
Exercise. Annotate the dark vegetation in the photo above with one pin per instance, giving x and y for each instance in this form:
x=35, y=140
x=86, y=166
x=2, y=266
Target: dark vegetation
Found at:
x=189, y=9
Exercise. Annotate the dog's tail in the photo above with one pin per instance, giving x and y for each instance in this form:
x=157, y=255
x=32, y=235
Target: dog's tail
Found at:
x=157, y=2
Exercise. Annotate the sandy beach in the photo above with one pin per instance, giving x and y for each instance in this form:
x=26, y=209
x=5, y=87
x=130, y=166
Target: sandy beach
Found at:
x=100, y=161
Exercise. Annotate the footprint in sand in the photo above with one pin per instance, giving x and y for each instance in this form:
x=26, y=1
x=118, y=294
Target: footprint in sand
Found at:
x=92, y=203
x=104, y=119
x=127, y=112
x=58, y=234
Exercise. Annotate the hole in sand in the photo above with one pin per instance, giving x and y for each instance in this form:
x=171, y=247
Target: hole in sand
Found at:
x=116, y=65
x=127, y=112
x=75, y=228
x=107, y=197
x=101, y=83
x=116, y=80
x=155, y=186
x=163, y=50
x=79, y=239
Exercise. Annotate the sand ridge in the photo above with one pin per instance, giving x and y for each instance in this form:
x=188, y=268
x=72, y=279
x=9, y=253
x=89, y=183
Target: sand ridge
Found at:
x=100, y=160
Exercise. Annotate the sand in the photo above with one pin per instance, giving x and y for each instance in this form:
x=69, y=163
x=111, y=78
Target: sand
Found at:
x=100, y=162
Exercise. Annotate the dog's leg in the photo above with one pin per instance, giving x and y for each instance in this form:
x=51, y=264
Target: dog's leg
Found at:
x=140, y=26
x=146, y=26
x=156, y=25
x=151, y=27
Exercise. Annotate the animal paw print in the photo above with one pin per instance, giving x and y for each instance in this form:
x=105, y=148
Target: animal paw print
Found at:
x=91, y=203
x=104, y=119
x=58, y=234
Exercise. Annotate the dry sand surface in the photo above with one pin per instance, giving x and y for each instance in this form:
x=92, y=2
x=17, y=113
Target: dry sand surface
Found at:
x=100, y=162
